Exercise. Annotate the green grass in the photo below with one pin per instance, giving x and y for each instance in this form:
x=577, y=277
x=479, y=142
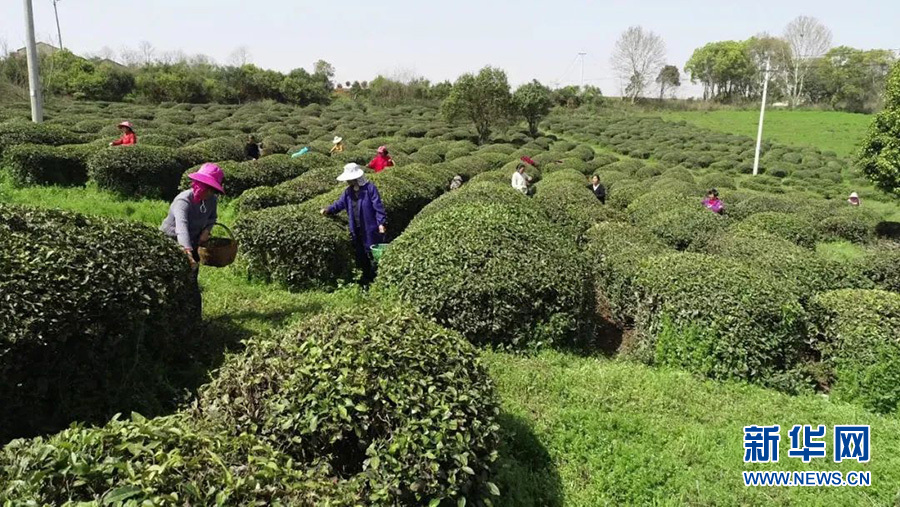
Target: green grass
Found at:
x=603, y=432
x=826, y=130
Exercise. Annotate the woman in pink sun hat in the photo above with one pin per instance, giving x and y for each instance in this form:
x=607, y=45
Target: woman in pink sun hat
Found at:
x=193, y=213
x=128, y=135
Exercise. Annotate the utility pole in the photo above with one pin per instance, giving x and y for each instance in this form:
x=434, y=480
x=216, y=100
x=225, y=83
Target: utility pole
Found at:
x=34, y=80
x=58, y=31
x=582, y=69
x=762, y=114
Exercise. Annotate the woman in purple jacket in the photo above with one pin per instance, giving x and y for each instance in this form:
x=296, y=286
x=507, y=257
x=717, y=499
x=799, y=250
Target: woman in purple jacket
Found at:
x=368, y=221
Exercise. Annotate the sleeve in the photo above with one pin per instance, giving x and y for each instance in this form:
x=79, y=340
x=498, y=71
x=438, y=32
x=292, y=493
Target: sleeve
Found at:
x=339, y=205
x=182, y=229
x=380, y=215
x=390, y=162
x=371, y=164
x=118, y=141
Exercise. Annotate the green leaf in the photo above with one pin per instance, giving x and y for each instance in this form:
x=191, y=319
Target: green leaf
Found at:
x=493, y=488
x=120, y=494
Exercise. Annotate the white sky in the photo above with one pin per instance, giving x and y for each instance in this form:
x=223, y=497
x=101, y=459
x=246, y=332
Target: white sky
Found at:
x=438, y=40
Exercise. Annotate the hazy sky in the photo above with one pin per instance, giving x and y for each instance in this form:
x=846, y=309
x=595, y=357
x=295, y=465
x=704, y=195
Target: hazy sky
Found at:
x=527, y=38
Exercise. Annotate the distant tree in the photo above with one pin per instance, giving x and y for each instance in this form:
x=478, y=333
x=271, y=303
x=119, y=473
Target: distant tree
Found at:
x=324, y=68
x=147, y=52
x=441, y=90
x=533, y=102
x=240, y=56
x=880, y=155
x=483, y=98
x=669, y=77
x=807, y=39
x=348, y=84
x=364, y=85
x=762, y=48
x=850, y=79
x=723, y=67
x=637, y=57
x=129, y=57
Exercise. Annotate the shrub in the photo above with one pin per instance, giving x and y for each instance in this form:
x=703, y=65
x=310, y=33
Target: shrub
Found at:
x=758, y=203
x=570, y=204
x=160, y=140
x=22, y=132
x=614, y=251
x=850, y=224
x=98, y=305
x=879, y=264
x=411, y=418
x=295, y=191
x=621, y=196
x=717, y=180
x=294, y=245
x=267, y=171
x=34, y=164
x=682, y=227
x=476, y=193
x=859, y=337
x=650, y=204
x=796, y=228
x=718, y=317
x=201, y=468
x=467, y=268
x=137, y=171
x=217, y=149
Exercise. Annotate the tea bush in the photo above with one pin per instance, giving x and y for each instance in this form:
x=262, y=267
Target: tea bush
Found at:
x=410, y=418
x=35, y=164
x=120, y=463
x=24, y=132
x=99, y=305
x=217, y=149
x=497, y=273
x=476, y=193
x=796, y=228
x=859, y=337
x=570, y=204
x=137, y=171
x=718, y=317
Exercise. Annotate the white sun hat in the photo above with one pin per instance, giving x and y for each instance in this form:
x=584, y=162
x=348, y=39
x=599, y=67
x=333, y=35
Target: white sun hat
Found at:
x=352, y=171
x=337, y=139
x=854, y=195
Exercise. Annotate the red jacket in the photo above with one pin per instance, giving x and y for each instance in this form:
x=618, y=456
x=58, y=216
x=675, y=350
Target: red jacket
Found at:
x=380, y=162
x=126, y=139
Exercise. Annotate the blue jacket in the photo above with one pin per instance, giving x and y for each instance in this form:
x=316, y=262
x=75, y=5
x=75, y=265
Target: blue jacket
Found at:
x=371, y=210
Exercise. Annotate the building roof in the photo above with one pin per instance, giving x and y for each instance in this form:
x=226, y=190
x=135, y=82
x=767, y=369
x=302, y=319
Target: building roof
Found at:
x=42, y=48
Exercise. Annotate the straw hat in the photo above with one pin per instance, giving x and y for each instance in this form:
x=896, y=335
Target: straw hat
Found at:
x=126, y=124
x=854, y=195
x=352, y=171
x=337, y=139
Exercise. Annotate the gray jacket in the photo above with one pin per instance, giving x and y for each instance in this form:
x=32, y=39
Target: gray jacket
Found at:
x=186, y=220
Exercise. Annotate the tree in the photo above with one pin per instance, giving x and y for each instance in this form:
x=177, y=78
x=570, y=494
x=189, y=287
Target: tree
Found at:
x=637, y=58
x=240, y=56
x=669, y=77
x=147, y=52
x=880, y=155
x=324, y=68
x=724, y=68
x=534, y=103
x=849, y=79
x=807, y=39
x=483, y=99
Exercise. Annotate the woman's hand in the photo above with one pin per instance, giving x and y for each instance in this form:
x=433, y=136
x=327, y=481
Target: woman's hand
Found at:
x=190, y=255
x=382, y=229
x=204, y=237
x=323, y=211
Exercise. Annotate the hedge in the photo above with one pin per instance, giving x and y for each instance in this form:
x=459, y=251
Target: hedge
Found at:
x=796, y=228
x=614, y=251
x=409, y=418
x=476, y=193
x=295, y=191
x=622, y=194
x=719, y=317
x=294, y=245
x=269, y=171
x=497, y=273
x=22, y=132
x=570, y=204
x=859, y=337
x=137, y=171
x=683, y=227
x=161, y=461
x=879, y=264
x=217, y=149
x=99, y=305
x=35, y=164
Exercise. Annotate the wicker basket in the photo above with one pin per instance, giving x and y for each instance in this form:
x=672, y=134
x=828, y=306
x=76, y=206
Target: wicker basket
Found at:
x=219, y=252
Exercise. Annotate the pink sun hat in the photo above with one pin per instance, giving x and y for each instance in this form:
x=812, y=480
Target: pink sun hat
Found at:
x=126, y=124
x=381, y=149
x=210, y=175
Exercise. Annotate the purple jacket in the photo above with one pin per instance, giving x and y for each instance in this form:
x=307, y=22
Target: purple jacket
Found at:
x=370, y=209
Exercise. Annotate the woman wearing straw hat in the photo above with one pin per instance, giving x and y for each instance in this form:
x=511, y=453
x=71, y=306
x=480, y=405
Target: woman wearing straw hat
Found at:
x=128, y=135
x=338, y=143
x=381, y=160
x=368, y=220
x=193, y=213
x=853, y=199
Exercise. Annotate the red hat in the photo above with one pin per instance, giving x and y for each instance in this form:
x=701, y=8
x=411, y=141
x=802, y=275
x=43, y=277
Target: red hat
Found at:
x=126, y=124
x=528, y=161
x=210, y=175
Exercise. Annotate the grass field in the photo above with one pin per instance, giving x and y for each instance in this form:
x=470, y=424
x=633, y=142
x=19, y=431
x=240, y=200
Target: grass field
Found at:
x=827, y=130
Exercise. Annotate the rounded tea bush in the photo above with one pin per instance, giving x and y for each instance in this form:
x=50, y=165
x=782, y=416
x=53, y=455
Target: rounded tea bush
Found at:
x=294, y=245
x=793, y=227
x=718, y=317
x=98, y=304
x=393, y=404
x=217, y=149
x=859, y=338
x=137, y=171
x=570, y=204
x=35, y=164
x=25, y=132
x=475, y=193
x=497, y=273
